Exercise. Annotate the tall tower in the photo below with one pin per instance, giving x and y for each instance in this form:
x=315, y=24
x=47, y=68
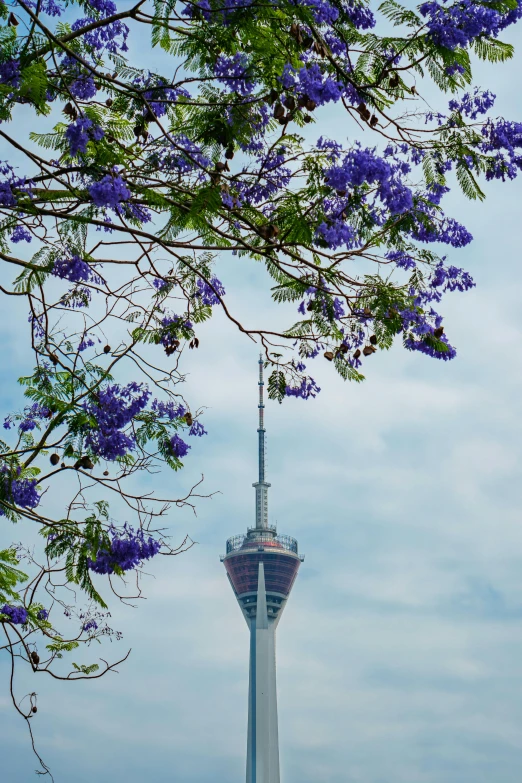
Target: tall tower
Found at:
x=261, y=567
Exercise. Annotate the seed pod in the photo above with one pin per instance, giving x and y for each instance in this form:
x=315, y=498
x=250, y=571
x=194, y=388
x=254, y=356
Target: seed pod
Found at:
x=273, y=96
x=188, y=418
x=302, y=100
x=373, y=339
x=283, y=120
x=105, y=472
x=367, y=312
x=289, y=102
x=308, y=118
x=69, y=110
x=373, y=121
x=343, y=348
x=55, y=459
x=341, y=192
x=394, y=80
x=438, y=332
x=229, y=154
x=328, y=355
x=368, y=350
x=149, y=116
x=307, y=42
x=294, y=30
x=53, y=357
x=220, y=166
x=196, y=342
x=278, y=111
x=357, y=354
x=413, y=89
x=63, y=465
x=310, y=104
x=35, y=708
x=12, y=21
x=109, y=103
x=35, y=657
x=107, y=349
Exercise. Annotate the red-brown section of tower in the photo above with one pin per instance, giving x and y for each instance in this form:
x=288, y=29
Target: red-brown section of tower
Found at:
x=280, y=571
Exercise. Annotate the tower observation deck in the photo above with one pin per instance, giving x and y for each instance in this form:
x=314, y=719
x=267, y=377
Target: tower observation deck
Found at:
x=261, y=567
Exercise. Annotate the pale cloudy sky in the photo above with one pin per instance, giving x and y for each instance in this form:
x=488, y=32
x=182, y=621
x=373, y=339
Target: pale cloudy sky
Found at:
x=399, y=653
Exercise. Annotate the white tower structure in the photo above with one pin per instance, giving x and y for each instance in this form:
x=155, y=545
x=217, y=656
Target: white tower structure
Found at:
x=262, y=567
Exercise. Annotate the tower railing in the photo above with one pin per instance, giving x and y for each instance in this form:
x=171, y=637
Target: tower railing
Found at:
x=235, y=543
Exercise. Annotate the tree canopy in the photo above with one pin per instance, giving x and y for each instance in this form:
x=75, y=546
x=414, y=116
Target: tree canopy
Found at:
x=121, y=187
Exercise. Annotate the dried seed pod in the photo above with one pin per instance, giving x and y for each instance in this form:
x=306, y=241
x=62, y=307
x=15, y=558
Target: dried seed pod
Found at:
x=188, y=418
x=196, y=342
x=373, y=339
x=12, y=21
x=55, y=459
x=63, y=465
x=367, y=312
x=308, y=118
x=413, y=89
x=273, y=96
x=220, y=166
x=373, y=121
x=35, y=657
x=53, y=357
x=302, y=101
x=229, y=154
x=310, y=104
x=289, y=102
x=109, y=103
x=278, y=111
x=438, y=332
x=341, y=192
x=368, y=350
x=84, y=462
x=328, y=355
x=105, y=472
x=35, y=708
x=149, y=116
x=343, y=348
x=307, y=42
x=69, y=109
x=283, y=120
x=107, y=349
x=394, y=80
x=357, y=354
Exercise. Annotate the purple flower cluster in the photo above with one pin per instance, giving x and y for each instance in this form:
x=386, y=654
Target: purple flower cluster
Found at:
x=460, y=24
x=16, y=614
x=111, y=37
x=20, y=492
x=170, y=410
x=471, y=105
x=504, y=138
x=30, y=419
x=306, y=389
x=20, y=234
x=109, y=191
x=83, y=88
x=49, y=7
x=42, y=614
x=80, y=132
x=208, y=294
x=10, y=73
x=113, y=411
x=177, y=447
x=127, y=551
x=75, y=269
x=233, y=72
x=11, y=183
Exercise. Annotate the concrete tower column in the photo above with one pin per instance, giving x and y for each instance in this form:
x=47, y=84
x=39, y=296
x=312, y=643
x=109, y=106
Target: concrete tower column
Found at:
x=263, y=738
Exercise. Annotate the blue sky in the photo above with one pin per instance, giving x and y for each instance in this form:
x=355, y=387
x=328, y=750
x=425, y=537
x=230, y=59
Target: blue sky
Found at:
x=399, y=653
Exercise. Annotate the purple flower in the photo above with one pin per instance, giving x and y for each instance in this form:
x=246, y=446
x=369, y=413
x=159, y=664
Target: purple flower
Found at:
x=91, y=625
x=10, y=73
x=110, y=191
x=127, y=550
x=232, y=71
x=80, y=132
x=306, y=389
x=114, y=410
x=178, y=448
x=16, y=614
x=20, y=234
x=43, y=614
x=209, y=294
x=74, y=269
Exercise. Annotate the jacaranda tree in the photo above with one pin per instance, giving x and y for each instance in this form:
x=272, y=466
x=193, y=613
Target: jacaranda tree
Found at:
x=121, y=187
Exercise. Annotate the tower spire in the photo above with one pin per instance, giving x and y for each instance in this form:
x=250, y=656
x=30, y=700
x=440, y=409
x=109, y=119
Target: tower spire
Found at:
x=261, y=485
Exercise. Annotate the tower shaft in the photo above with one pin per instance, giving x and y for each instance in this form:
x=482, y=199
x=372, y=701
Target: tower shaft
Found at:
x=263, y=738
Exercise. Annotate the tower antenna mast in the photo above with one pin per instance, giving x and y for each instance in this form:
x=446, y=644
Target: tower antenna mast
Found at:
x=261, y=485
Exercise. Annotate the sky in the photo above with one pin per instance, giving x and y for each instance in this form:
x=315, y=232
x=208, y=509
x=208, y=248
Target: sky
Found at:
x=399, y=652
